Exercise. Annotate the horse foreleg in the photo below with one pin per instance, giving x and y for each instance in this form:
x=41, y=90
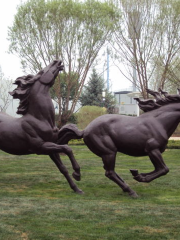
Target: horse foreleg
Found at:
x=159, y=165
x=48, y=148
x=56, y=159
x=109, y=165
x=134, y=172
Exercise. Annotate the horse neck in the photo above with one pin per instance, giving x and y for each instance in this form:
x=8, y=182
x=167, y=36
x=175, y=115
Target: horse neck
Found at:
x=169, y=117
x=40, y=103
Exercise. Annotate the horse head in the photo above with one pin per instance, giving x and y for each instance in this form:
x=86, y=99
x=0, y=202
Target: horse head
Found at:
x=24, y=84
x=48, y=75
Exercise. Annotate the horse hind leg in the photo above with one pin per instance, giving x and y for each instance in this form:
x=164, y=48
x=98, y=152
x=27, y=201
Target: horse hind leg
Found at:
x=49, y=148
x=56, y=159
x=76, y=174
x=109, y=165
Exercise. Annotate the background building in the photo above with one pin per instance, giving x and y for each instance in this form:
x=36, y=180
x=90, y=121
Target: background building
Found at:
x=125, y=103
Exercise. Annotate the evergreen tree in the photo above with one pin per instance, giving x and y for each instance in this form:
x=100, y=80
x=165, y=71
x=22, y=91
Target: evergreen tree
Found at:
x=93, y=93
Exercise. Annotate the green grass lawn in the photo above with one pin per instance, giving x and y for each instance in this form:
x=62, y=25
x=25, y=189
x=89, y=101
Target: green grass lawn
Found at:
x=36, y=202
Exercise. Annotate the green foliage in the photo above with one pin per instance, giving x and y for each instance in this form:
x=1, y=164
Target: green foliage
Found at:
x=73, y=118
x=37, y=203
x=177, y=131
x=88, y=113
x=62, y=92
x=76, y=142
x=93, y=93
x=109, y=102
x=173, y=144
x=74, y=31
x=61, y=85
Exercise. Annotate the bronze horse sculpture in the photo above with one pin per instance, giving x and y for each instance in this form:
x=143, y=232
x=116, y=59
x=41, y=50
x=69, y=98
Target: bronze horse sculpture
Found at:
x=35, y=131
x=146, y=135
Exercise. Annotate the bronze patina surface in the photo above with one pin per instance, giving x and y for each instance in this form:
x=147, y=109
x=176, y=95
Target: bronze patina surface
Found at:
x=35, y=131
x=145, y=135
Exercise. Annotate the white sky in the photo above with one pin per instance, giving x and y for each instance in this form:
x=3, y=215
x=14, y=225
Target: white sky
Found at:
x=10, y=64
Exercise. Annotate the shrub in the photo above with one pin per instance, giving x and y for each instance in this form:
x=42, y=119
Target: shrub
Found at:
x=177, y=132
x=76, y=142
x=173, y=144
x=88, y=113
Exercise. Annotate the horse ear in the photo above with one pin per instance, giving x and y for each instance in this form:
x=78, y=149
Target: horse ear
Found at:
x=47, y=77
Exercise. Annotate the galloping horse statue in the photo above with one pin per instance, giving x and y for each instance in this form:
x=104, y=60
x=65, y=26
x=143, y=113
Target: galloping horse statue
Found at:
x=35, y=131
x=146, y=135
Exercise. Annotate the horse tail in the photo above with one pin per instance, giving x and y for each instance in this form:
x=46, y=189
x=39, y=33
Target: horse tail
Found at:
x=68, y=132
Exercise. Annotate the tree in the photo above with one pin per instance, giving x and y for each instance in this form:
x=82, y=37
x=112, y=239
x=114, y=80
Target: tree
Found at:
x=93, y=93
x=172, y=79
x=59, y=91
x=173, y=75
x=68, y=29
x=5, y=87
x=147, y=38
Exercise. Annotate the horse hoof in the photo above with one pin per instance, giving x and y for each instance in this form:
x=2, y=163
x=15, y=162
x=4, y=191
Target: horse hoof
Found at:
x=141, y=178
x=79, y=191
x=76, y=176
x=133, y=195
x=134, y=172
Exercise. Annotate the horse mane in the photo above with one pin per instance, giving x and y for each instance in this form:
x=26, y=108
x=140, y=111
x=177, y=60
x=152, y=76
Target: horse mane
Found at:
x=161, y=98
x=24, y=84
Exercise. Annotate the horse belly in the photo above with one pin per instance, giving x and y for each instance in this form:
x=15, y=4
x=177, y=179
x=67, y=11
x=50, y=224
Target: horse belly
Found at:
x=132, y=150
x=16, y=150
x=135, y=145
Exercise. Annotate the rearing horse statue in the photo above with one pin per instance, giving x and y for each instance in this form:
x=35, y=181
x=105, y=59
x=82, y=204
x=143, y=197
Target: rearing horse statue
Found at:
x=35, y=131
x=146, y=135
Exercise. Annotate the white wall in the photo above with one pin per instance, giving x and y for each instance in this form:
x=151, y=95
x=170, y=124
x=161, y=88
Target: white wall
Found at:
x=128, y=109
